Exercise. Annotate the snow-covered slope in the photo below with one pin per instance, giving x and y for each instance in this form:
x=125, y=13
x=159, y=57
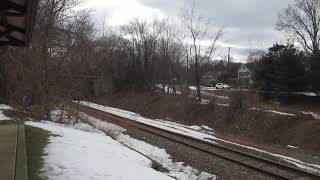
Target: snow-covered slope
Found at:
x=4, y=107
x=80, y=155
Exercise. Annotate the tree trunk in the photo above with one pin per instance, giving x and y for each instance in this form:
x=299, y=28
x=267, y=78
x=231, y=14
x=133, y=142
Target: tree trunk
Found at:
x=198, y=81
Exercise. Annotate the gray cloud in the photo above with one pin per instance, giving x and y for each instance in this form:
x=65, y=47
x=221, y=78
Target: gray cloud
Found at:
x=244, y=20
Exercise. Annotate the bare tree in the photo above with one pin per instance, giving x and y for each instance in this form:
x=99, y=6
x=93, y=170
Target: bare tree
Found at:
x=197, y=28
x=142, y=41
x=302, y=20
x=255, y=55
x=169, y=52
x=62, y=38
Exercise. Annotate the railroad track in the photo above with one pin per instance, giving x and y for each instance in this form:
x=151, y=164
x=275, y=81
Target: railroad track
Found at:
x=272, y=167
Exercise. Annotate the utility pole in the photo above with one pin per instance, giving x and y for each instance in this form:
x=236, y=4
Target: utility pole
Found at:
x=229, y=50
x=103, y=25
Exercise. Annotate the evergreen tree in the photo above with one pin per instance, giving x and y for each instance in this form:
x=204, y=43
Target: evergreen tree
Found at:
x=315, y=72
x=281, y=69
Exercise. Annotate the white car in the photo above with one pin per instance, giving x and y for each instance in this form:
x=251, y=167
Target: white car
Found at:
x=222, y=86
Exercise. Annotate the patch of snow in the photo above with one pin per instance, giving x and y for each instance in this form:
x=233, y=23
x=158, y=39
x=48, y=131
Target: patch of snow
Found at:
x=55, y=115
x=314, y=115
x=300, y=164
x=313, y=94
x=116, y=111
x=222, y=97
x=206, y=137
x=2, y=116
x=202, y=128
x=193, y=88
x=207, y=128
x=86, y=127
x=293, y=147
x=176, y=169
x=167, y=89
x=254, y=108
x=272, y=111
x=204, y=101
x=197, y=128
x=213, y=95
x=79, y=155
x=209, y=88
x=5, y=107
x=160, y=124
x=221, y=104
x=281, y=113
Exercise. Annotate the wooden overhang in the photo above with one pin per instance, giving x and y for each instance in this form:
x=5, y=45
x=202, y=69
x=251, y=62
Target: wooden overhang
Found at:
x=17, y=19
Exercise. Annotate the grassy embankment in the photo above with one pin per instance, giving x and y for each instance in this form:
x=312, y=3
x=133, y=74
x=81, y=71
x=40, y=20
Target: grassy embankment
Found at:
x=36, y=141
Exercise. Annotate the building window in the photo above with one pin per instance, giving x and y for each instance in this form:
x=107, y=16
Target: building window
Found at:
x=244, y=74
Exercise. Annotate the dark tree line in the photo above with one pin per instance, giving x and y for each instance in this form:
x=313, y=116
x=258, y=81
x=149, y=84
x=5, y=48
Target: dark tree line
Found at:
x=283, y=69
x=67, y=60
x=37, y=76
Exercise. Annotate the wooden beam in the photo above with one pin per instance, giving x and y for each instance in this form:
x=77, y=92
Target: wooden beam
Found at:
x=15, y=28
x=4, y=43
x=4, y=33
x=25, y=11
x=8, y=5
x=14, y=14
x=16, y=42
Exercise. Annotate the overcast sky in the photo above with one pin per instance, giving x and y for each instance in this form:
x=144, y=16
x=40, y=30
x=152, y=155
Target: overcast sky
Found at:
x=247, y=23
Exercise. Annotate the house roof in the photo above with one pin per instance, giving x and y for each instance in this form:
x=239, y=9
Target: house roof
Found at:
x=16, y=21
x=244, y=67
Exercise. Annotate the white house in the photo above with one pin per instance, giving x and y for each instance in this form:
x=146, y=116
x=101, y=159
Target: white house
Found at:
x=244, y=72
x=244, y=76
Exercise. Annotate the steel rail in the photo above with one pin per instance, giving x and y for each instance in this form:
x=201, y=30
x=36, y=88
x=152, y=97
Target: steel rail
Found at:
x=264, y=165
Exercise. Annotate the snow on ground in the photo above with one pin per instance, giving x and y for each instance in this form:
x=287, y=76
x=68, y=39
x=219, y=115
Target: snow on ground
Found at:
x=209, y=88
x=194, y=88
x=199, y=135
x=167, y=89
x=2, y=108
x=204, y=101
x=80, y=155
x=157, y=123
x=254, y=108
x=3, y=117
x=55, y=115
x=214, y=95
x=221, y=104
x=176, y=169
x=281, y=113
x=205, y=129
x=272, y=111
x=5, y=107
x=313, y=94
x=314, y=115
x=293, y=147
